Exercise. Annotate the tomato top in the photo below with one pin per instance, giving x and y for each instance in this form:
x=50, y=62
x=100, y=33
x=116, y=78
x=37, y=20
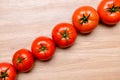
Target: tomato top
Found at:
x=85, y=19
x=64, y=35
x=7, y=71
x=23, y=60
x=109, y=11
x=43, y=48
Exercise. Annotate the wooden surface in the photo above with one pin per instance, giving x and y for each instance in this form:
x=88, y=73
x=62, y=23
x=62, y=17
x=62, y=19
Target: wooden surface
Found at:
x=93, y=57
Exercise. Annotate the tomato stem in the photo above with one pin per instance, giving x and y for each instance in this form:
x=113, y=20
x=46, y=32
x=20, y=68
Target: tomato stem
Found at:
x=4, y=74
x=19, y=60
x=114, y=9
x=65, y=34
x=43, y=48
x=84, y=19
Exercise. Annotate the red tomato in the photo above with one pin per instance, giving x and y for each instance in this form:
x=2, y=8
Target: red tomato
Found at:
x=85, y=19
x=109, y=11
x=43, y=48
x=64, y=35
x=23, y=60
x=7, y=71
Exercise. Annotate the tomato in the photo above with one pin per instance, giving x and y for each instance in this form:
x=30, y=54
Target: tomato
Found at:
x=23, y=60
x=7, y=71
x=85, y=19
x=64, y=35
x=43, y=48
x=109, y=11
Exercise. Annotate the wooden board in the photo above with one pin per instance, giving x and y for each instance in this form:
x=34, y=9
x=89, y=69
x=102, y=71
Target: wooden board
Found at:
x=93, y=57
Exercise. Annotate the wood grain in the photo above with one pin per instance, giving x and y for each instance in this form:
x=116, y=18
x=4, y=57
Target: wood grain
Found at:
x=93, y=57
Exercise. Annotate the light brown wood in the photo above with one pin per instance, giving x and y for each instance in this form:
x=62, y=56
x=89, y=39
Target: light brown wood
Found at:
x=93, y=57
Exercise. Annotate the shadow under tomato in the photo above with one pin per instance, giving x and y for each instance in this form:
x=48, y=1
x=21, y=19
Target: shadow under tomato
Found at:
x=85, y=34
x=106, y=25
x=45, y=61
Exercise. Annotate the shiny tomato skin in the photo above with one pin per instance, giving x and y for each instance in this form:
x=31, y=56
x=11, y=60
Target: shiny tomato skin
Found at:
x=107, y=15
x=7, y=71
x=23, y=60
x=43, y=48
x=64, y=35
x=85, y=19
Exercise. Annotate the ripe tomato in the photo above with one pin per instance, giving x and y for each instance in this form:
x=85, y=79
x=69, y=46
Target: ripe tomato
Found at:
x=109, y=11
x=64, y=35
x=43, y=48
x=85, y=19
x=23, y=60
x=7, y=71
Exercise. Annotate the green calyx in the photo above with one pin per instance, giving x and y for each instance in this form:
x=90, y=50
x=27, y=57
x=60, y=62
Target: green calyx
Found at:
x=42, y=48
x=113, y=9
x=4, y=74
x=65, y=34
x=19, y=60
x=84, y=19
